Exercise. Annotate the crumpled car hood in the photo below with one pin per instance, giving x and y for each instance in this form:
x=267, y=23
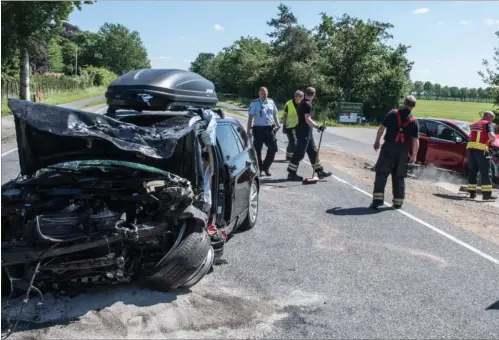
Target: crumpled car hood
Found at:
x=48, y=134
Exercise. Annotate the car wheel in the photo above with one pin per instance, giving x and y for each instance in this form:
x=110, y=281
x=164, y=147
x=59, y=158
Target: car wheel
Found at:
x=188, y=264
x=250, y=220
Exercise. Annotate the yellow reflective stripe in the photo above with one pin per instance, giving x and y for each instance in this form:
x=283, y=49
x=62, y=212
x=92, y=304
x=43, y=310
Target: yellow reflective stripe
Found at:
x=289, y=154
x=292, y=166
x=292, y=117
x=477, y=146
x=471, y=185
x=378, y=195
x=486, y=188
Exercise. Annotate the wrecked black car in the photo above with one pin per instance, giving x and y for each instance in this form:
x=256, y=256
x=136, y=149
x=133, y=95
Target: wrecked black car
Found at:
x=103, y=200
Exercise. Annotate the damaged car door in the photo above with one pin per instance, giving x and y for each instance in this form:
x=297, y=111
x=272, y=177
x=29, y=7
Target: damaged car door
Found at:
x=235, y=164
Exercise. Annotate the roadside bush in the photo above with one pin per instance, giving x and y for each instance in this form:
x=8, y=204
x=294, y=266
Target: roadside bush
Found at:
x=99, y=76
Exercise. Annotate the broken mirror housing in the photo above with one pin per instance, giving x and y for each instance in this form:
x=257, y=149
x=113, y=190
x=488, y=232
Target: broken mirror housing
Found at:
x=160, y=90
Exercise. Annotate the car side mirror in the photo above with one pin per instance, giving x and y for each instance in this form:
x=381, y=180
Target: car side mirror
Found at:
x=458, y=139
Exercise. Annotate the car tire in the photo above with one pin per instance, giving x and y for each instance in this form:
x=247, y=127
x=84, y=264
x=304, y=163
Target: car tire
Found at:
x=250, y=220
x=188, y=264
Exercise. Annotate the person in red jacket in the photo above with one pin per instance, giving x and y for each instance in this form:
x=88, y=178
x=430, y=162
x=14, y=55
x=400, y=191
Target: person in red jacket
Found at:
x=482, y=135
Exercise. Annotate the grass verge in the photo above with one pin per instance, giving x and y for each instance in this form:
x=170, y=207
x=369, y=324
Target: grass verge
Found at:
x=449, y=109
x=63, y=98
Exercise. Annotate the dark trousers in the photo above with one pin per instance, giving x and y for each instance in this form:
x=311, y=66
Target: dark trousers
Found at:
x=393, y=160
x=479, y=162
x=264, y=135
x=304, y=144
x=291, y=134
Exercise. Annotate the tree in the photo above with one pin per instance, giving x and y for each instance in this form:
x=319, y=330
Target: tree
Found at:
x=418, y=87
x=27, y=22
x=437, y=89
x=121, y=50
x=445, y=92
x=463, y=93
x=454, y=92
x=428, y=89
x=491, y=74
x=201, y=63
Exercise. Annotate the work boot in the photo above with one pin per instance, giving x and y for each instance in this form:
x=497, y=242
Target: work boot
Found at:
x=292, y=176
x=323, y=173
x=488, y=196
x=397, y=206
x=472, y=195
x=376, y=204
x=266, y=172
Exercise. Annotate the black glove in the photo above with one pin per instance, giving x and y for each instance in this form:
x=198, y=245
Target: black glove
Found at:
x=321, y=128
x=284, y=130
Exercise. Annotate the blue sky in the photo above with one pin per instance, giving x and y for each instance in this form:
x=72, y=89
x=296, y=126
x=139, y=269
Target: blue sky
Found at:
x=449, y=39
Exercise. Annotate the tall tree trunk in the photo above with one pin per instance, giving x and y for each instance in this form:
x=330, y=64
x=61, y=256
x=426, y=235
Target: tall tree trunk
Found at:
x=24, y=73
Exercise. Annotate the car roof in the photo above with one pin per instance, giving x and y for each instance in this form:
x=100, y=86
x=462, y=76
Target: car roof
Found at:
x=445, y=120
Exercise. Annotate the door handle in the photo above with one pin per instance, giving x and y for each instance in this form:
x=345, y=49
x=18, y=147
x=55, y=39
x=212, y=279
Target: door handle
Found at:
x=248, y=163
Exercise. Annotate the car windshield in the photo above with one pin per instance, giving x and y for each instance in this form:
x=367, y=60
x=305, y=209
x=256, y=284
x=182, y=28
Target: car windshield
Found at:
x=464, y=126
x=103, y=165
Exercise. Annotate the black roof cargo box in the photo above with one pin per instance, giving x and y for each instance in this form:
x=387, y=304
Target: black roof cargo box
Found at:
x=160, y=89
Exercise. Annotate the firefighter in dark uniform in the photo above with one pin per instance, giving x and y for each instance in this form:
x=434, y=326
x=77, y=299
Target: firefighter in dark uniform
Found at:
x=482, y=134
x=305, y=140
x=402, y=136
x=290, y=121
x=263, y=125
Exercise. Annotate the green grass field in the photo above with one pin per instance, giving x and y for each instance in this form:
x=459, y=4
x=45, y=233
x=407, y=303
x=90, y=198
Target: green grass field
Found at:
x=465, y=111
x=63, y=98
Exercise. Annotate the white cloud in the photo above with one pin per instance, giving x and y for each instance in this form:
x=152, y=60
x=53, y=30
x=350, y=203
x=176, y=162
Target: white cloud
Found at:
x=181, y=38
x=218, y=27
x=437, y=61
x=492, y=22
x=464, y=22
x=440, y=23
x=163, y=58
x=423, y=10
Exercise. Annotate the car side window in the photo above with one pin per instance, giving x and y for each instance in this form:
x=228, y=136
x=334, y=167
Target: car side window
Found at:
x=442, y=131
x=227, y=139
x=422, y=127
x=431, y=128
x=242, y=136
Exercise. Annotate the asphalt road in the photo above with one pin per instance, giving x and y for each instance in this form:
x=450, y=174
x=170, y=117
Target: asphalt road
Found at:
x=320, y=265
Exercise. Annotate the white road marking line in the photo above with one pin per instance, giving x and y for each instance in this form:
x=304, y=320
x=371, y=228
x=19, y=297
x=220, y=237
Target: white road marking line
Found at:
x=102, y=110
x=10, y=151
x=420, y=221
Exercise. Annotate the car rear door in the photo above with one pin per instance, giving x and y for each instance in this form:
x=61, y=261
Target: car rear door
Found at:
x=235, y=166
x=423, y=141
x=446, y=147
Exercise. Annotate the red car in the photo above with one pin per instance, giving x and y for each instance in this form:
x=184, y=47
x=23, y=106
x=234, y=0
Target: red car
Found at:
x=443, y=144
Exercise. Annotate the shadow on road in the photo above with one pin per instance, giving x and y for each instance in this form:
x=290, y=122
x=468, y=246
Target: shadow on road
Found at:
x=451, y=197
x=494, y=306
x=64, y=310
x=356, y=211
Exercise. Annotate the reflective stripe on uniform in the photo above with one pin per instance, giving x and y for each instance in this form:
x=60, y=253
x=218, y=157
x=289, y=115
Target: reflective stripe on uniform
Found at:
x=378, y=196
x=486, y=188
x=477, y=146
x=398, y=201
x=292, y=167
x=289, y=154
x=317, y=165
x=471, y=187
x=479, y=138
x=292, y=116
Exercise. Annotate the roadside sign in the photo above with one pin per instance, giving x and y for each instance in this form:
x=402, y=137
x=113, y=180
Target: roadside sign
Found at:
x=349, y=112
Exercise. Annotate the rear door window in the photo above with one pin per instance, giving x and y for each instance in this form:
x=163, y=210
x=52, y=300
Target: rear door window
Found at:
x=422, y=127
x=241, y=136
x=229, y=142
